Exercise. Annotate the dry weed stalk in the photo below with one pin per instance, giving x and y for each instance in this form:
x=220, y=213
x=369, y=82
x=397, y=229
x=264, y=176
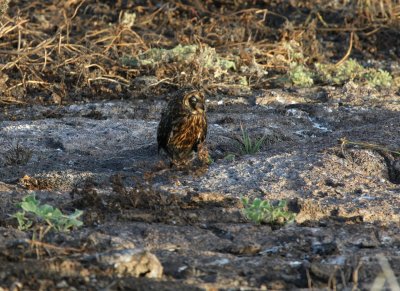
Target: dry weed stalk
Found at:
x=365, y=145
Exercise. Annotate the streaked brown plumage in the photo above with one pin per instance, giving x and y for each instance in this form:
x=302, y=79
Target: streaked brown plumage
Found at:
x=183, y=126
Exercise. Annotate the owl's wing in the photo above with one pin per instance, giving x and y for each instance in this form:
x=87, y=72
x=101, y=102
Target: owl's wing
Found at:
x=205, y=126
x=164, y=130
x=200, y=132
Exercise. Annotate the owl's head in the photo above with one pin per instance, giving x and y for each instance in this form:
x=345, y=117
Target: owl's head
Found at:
x=194, y=101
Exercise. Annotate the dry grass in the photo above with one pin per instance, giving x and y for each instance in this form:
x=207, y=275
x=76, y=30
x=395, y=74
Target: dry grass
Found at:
x=58, y=52
x=3, y=7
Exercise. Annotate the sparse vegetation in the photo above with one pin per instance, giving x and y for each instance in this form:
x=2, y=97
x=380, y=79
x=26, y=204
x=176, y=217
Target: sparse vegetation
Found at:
x=33, y=212
x=17, y=155
x=3, y=7
x=205, y=59
x=230, y=157
x=378, y=78
x=206, y=56
x=249, y=145
x=327, y=73
x=300, y=76
x=235, y=48
x=263, y=211
x=338, y=75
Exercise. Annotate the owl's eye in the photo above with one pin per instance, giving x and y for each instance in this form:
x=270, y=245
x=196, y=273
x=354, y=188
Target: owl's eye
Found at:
x=193, y=101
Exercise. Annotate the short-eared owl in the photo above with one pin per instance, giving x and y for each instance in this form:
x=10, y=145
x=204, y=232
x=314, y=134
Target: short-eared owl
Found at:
x=183, y=126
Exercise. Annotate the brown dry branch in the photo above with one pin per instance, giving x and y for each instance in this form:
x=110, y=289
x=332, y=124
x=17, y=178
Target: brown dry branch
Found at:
x=365, y=145
x=62, y=250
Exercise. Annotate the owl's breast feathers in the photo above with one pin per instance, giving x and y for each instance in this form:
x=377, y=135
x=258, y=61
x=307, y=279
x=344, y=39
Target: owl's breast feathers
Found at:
x=188, y=133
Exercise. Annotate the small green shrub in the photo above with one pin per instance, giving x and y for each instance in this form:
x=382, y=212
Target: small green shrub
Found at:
x=347, y=71
x=378, y=78
x=338, y=75
x=300, y=76
x=248, y=145
x=230, y=157
x=350, y=70
x=34, y=212
x=206, y=56
x=262, y=211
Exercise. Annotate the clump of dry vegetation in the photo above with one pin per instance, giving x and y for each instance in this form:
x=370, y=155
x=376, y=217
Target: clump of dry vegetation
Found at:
x=3, y=7
x=349, y=70
x=55, y=52
x=17, y=155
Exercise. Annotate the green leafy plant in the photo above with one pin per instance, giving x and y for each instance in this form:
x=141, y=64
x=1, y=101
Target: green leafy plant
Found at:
x=300, y=76
x=230, y=157
x=263, y=211
x=34, y=212
x=250, y=146
x=206, y=56
x=349, y=70
x=338, y=75
x=378, y=78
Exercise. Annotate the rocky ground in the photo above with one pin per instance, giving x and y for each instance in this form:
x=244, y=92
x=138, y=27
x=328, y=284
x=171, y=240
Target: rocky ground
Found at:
x=151, y=228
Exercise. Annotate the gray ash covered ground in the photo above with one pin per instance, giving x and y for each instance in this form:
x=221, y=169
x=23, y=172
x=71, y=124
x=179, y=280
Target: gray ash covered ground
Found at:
x=102, y=158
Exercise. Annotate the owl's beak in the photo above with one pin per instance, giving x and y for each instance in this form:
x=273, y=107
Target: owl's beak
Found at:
x=200, y=106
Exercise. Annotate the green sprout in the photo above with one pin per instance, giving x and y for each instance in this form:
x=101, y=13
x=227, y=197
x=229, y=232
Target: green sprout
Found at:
x=262, y=211
x=248, y=145
x=230, y=157
x=34, y=212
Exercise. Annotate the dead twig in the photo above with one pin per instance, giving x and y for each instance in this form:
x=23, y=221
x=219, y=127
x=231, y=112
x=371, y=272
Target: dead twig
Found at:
x=37, y=243
x=344, y=141
x=345, y=57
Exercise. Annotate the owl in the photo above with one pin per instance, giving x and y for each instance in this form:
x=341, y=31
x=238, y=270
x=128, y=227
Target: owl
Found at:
x=183, y=127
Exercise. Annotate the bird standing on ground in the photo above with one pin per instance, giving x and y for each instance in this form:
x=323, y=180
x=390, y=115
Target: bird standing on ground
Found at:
x=183, y=127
